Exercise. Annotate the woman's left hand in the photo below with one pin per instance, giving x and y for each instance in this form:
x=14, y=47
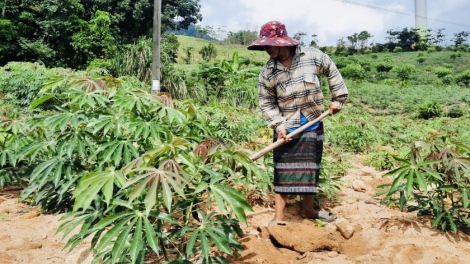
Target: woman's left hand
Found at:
x=334, y=109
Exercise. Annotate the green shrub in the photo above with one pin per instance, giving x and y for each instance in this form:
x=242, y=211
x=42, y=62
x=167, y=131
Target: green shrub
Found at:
x=441, y=71
x=404, y=71
x=374, y=56
x=462, y=48
x=398, y=49
x=430, y=110
x=384, y=66
x=432, y=49
x=389, y=81
x=463, y=77
x=381, y=160
x=342, y=62
x=448, y=66
x=448, y=79
x=354, y=71
x=455, y=55
x=455, y=112
x=22, y=81
x=421, y=59
x=208, y=52
x=366, y=65
x=429, y=68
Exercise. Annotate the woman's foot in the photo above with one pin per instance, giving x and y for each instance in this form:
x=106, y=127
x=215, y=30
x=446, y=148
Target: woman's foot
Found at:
x=310, y=213
x=320, y=215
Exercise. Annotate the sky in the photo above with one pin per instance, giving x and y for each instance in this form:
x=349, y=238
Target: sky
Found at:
x=332, y=20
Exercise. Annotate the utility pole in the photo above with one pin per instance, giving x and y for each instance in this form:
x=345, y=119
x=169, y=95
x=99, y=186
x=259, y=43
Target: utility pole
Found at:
x=156, y=63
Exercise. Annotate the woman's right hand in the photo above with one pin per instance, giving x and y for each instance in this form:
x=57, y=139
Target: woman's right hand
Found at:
x=283, y=134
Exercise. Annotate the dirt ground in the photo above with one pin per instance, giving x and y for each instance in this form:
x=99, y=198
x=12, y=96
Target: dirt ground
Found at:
x=365, y=232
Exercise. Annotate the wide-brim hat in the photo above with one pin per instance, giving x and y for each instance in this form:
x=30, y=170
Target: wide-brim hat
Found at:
x=273, y=33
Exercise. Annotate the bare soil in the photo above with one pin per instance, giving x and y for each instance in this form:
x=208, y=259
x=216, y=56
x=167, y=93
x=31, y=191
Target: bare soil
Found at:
x=379, y=234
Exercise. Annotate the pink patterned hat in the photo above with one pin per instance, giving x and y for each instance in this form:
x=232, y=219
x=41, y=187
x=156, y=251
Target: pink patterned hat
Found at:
x=273, y=33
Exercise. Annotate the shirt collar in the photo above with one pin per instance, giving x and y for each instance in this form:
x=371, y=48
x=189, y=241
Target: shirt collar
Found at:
x=299, y=51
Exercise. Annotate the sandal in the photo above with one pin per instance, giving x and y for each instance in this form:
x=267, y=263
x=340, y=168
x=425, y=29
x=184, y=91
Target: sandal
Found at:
x=326, y=216
x=274, y=222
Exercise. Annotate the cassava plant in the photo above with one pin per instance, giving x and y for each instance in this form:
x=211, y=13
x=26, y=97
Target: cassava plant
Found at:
x=136, y=173
x=434, y=179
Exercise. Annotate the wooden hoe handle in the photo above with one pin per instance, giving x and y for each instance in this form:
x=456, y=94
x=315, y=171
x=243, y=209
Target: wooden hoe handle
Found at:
x=281, y=141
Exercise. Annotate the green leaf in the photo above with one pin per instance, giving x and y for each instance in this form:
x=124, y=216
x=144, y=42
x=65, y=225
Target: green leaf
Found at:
x=69, y=226
x=136, y=244
x=437, y=220
x=452, y=223
x=138, y=190
x=464, y=193
x=120, y=244
x=151, y=236
x=106, y=240
x=167, y=194
x=234, y=199
x=190, y=245
x=220, y=242
x=448, y=188
x=205, y=247
x=421, y=182
x=44, y=169
x=39, y=101
x=92, y=183
x=151, y=197
x=110, y=219
x=201, y=187
x=398, y=180
x=409, y=183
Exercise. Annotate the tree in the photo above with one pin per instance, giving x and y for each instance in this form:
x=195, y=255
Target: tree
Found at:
x=341, y=47
x=314, y=41
x=242, y=37
x=7, y=45
x=95, y=39
x=363, y=39
x=299, y=36
x=407, y=39
x=439, y=37
x=134, y=17
x=460, y=38
x=170, y=46
x=353, y=39
x=45, y=28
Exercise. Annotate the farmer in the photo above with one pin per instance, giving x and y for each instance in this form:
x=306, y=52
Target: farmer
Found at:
x=290, y=95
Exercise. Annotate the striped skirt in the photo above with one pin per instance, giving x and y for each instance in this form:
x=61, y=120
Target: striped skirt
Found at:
x=297, y=164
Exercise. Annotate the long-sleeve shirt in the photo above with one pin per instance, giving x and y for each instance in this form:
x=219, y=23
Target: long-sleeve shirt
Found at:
x=285, y=92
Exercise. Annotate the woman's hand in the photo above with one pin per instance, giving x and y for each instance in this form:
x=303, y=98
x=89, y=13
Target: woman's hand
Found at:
x=334, y=109
x=283, y=134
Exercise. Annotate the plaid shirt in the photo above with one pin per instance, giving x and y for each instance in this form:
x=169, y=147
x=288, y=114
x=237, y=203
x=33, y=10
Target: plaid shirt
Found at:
x=285, y=92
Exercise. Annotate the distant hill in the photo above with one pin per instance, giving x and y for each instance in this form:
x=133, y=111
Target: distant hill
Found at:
x=191, y=32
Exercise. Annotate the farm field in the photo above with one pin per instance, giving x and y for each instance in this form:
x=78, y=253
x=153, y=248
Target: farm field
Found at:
x=127, y=165
x=381, y=234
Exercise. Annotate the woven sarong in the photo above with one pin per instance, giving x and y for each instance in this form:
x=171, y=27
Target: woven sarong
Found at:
x=297, y=164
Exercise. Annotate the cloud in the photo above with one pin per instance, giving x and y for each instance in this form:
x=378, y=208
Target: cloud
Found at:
x=330, y=20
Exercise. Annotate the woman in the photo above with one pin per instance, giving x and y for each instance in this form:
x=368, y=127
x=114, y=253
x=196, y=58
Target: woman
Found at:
x=290, y=95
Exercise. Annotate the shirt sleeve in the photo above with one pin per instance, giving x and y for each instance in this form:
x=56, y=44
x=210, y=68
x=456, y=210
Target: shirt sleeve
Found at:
x=268, y=103
x=338, y=89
